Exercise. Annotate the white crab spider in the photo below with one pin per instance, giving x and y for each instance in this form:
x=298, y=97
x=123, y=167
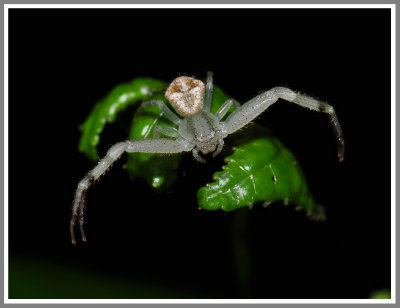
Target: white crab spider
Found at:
x=198, y=130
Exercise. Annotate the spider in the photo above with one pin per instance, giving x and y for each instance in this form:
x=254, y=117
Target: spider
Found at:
x=197, y=129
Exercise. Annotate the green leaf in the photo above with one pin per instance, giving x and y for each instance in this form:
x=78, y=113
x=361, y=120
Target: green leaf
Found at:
x=261, y=169
x=381, y=294
x=106, y=110
x=42, y=278
x=158, y=170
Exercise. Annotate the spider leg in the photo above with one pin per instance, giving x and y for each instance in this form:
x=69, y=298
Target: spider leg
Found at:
x=197, y=156
x=250, y=110
x=167, y=131
x=162, y=145
x=168, y=112
x=220, y=146
x=225, y=107
x=209, y=92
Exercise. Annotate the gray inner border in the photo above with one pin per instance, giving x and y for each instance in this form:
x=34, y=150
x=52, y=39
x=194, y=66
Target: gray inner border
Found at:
x=168, y=2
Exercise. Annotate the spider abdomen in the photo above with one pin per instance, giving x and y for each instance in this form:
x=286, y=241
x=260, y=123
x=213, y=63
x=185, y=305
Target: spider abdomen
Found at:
x=186, y=95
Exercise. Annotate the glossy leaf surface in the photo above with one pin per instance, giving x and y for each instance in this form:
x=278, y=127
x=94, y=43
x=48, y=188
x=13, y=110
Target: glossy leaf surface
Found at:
x=106, y=110
x=261, y=169
x=159, y=170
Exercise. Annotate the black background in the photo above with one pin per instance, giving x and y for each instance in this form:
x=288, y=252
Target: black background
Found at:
x=62, y=61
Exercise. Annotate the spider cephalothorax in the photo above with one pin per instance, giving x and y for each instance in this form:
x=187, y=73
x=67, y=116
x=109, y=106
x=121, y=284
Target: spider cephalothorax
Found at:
x=196, y=128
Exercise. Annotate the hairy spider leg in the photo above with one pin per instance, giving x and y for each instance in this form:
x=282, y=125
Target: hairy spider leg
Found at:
x=221, y=112
x=250, y=110
x=197, y=156
x=209, y=92
x=162, y=145
x=164, y=108
x=165, y=130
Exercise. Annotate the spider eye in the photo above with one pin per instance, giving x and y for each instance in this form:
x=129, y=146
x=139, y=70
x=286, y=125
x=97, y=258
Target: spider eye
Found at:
x=186, y=95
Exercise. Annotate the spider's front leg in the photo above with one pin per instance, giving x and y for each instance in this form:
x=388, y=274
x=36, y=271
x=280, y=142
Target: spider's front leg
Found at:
x=161, y=145
x=250, y=110
x=222, y=111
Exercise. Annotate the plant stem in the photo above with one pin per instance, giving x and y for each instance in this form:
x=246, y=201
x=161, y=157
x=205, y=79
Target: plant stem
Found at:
x=241, y=251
